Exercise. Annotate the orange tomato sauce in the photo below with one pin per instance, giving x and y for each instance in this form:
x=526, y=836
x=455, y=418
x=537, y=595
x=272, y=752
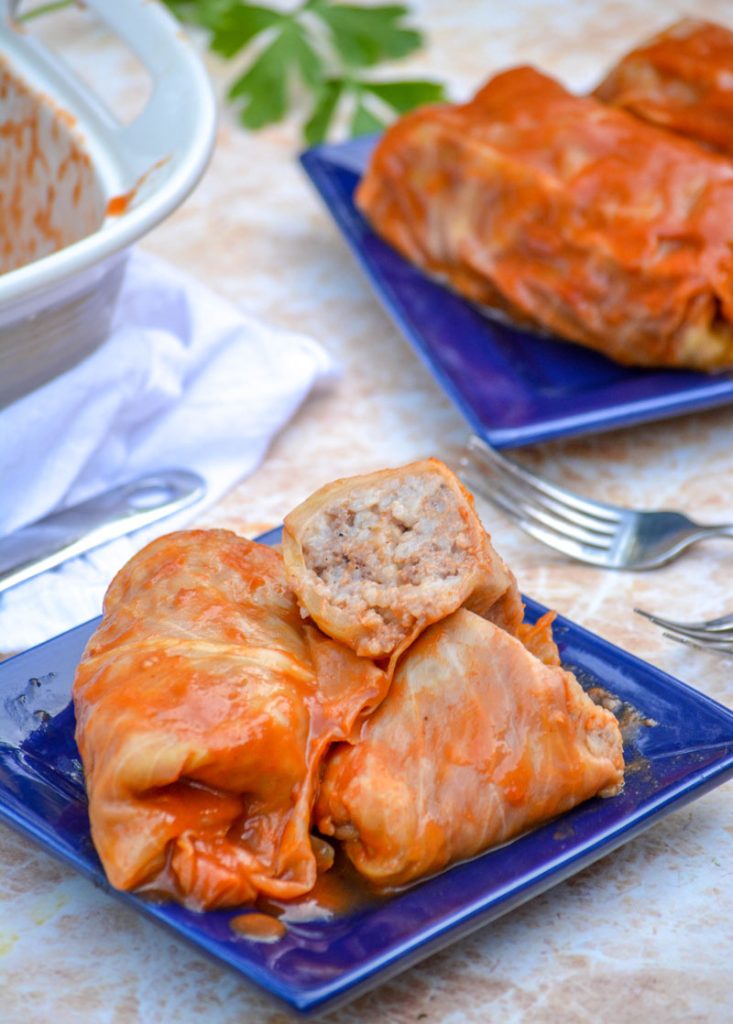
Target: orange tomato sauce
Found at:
x=258, y=927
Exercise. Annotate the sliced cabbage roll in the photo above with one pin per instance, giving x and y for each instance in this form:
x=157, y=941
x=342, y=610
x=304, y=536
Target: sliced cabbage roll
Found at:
x=592, y=224
x=204, y=706
x=374, y=559
x=477, y=741
x=682, y=80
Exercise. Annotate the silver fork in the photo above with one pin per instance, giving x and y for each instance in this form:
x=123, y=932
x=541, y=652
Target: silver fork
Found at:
x=708, y=635
x=608, y=536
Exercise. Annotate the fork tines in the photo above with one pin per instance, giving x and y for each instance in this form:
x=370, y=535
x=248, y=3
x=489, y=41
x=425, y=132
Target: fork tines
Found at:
x=710, y=635
x=562, y=520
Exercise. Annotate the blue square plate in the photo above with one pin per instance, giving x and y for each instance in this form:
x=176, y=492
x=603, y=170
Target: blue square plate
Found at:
x=320, y=964
x=514, y=388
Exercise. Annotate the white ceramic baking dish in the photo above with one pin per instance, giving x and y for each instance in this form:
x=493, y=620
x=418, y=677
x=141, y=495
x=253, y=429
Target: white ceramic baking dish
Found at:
x=56, y=302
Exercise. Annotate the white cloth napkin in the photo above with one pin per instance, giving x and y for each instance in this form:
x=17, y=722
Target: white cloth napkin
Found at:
x=186, y=380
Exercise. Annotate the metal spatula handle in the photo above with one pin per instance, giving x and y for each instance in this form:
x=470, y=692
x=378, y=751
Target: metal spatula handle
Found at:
x=62, y=535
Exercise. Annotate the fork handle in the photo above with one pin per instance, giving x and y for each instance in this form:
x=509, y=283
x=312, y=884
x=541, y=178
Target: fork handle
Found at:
x=706, y=532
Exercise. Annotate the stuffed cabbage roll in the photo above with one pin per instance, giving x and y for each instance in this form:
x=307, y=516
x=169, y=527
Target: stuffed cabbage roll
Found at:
x=476, y=742
x=376, y=558
x=682, y=80
x=594, y=225
x=204, y=706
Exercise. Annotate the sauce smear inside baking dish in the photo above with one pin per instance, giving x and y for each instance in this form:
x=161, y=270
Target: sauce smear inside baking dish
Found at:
x=50, y=195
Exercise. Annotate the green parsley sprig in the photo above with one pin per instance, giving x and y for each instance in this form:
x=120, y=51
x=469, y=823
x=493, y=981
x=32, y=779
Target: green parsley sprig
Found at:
x=322, y=49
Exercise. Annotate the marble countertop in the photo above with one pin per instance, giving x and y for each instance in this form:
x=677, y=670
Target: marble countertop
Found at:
x=647, y=932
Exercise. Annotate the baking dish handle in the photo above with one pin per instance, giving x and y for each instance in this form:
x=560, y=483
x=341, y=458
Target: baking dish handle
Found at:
x=181, y=112
x=151, y=163
x=178, y=122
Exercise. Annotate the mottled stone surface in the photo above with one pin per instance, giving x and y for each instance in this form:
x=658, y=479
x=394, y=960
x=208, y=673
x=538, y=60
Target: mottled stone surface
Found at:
x=645, y=934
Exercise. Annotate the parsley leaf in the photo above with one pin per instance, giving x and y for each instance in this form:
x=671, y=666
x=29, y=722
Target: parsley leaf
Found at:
x=374, y=103
x=327, y=99
x=364, y=121
x=404, y=96
x=185, y=10
x=364, y=36
x=233, y=26
x=264, y=86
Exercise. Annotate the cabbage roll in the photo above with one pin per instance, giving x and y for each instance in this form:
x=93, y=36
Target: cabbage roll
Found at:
x=374, y=559
x=590, y=223
x=476, y=742
x=204, y=706
x=682, y=80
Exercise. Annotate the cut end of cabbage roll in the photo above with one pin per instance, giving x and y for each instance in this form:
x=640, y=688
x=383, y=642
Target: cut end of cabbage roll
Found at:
x=476, y=742
x=374, y=559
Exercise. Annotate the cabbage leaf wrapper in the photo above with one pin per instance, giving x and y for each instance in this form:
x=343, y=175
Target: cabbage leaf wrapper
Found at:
x=476, y=742
x=579, y=217
x=204, y=708
x=681, y=80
